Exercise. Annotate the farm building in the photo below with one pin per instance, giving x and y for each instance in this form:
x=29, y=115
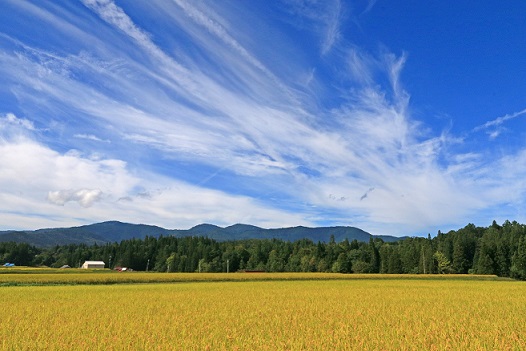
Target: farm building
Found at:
x=93, y=264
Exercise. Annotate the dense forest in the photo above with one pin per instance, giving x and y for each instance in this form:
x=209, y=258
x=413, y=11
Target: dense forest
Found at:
x=497, y=249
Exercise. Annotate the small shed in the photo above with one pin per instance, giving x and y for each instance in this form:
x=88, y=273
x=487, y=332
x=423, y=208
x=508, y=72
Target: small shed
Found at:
x=93, y=264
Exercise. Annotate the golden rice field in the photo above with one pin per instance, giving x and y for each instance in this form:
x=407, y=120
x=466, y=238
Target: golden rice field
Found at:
x=284, y=312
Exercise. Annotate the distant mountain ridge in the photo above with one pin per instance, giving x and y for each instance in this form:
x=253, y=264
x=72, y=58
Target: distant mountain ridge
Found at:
x=114, y=231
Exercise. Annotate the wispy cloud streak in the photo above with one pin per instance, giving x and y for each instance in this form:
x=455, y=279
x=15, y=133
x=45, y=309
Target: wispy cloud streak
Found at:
x=500, y=120
x=216, y=121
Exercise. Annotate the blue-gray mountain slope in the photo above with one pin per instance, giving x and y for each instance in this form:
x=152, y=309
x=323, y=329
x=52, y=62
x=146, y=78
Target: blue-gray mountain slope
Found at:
x=113, y=231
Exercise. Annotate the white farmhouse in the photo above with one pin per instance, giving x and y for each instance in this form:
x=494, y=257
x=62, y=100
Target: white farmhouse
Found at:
x=93, y=264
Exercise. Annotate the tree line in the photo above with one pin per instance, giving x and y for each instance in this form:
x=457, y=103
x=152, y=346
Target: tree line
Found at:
x=497, y=249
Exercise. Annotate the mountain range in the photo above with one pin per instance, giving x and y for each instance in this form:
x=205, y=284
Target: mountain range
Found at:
x=114, y=231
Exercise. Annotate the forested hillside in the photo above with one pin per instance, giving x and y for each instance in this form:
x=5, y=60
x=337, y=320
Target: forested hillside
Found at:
x=114, y=231
x=499, y=250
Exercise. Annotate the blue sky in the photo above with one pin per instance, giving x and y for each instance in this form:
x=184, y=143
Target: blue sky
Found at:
x=397, y=117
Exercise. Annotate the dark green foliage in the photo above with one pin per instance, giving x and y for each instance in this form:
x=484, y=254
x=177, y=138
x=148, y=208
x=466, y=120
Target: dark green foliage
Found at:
x=395, y=264
x=113, y=231
x=19, y=254
x=426, y=262
x=499, y=250
x=464, y=248
x=518, y=261
x=374, y=257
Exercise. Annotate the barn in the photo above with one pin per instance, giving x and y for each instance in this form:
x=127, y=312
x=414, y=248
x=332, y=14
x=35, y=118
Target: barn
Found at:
x=93, y=264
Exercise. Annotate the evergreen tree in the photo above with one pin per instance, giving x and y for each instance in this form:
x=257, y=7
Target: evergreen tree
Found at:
x=485, y=263
x=460, y=262
x=518, y=262
x=394, y=265
x=375, y=257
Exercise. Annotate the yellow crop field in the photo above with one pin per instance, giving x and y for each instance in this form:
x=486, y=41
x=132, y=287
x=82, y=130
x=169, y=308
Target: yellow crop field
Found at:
x=349, y=314
x=80, y=276
x=49, y=276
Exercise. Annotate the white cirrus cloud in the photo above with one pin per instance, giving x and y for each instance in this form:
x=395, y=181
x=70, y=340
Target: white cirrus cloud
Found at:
x=90, y=137
x=229, y=127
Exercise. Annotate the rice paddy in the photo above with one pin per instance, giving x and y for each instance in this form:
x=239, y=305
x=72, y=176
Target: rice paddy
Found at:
x=260, y=312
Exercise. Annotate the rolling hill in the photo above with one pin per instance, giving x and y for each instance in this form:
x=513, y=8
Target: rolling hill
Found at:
x=114, y=231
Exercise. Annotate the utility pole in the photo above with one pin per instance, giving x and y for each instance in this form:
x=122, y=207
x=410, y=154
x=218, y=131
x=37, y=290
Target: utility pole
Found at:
x=147, y=265
x=227, y=266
